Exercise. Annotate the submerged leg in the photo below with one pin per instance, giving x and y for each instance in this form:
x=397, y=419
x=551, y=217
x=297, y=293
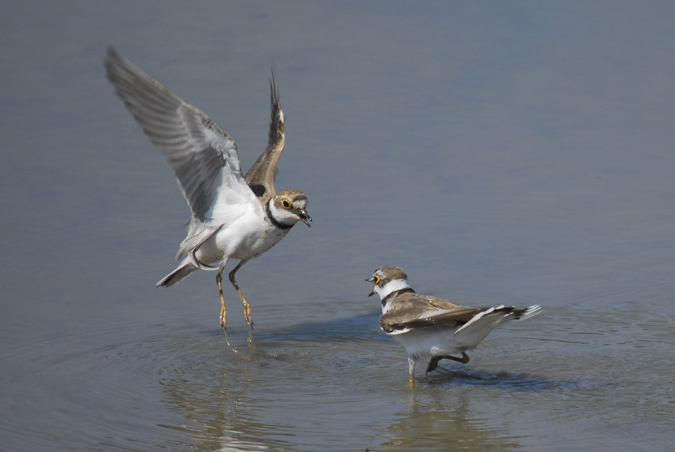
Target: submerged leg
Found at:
x=223, y=314
x=247, y=306
x=411, y=369
x=433, y=363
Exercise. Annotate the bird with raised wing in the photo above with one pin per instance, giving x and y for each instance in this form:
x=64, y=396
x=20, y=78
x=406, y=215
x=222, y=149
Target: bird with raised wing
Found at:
x=233, y=217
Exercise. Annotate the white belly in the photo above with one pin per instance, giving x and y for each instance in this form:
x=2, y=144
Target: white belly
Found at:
x=430, y=341
x=257, y=243
x=245, y=238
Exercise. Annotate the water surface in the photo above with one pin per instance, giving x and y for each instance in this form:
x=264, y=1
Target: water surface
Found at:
x=510, y=154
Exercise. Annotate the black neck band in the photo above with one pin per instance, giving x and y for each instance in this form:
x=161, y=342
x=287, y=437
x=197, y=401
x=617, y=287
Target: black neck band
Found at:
x=397, y=292
x=274, y=220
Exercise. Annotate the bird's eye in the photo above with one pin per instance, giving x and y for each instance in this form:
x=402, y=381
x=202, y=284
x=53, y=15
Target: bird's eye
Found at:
x=286, y=204
x=376, y=279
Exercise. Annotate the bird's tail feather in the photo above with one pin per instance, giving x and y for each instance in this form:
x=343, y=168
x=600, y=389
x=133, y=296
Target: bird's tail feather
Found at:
x=476, y=329
x=524, y=314
x=185, y=268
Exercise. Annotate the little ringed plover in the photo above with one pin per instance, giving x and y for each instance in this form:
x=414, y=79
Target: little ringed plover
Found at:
x=232, y=216
x=432, y=328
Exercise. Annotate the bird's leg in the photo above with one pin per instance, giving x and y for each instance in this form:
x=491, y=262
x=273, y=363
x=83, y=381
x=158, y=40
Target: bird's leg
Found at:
x=247, y=306
x=411, y=369
x=464, y=359
x=223, y=314
x=433, y=363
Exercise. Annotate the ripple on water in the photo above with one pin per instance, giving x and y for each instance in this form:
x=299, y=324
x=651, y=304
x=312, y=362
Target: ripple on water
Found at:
x=100, y=382
x=175, y=386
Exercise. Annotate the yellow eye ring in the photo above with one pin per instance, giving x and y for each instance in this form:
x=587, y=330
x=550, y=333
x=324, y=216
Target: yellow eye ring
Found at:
x=285, y=203
x=376, y=279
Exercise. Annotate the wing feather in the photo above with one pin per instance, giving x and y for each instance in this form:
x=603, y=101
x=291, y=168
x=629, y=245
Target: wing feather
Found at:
x=203, y=157
x=411, y=311
x=262, y=174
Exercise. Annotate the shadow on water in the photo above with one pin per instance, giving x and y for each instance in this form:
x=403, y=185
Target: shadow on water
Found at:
x=357, y=328
x=342, y=372
x=363, y=327
x=500, y=379
x=244, y=412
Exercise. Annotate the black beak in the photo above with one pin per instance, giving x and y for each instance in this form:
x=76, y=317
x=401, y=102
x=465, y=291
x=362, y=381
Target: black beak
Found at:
x=304, y=216
x=372, y=292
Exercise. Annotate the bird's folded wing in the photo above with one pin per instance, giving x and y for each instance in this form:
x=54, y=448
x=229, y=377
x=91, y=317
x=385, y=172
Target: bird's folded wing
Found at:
x=198, y=233
x=456, y=316
x=203, y=157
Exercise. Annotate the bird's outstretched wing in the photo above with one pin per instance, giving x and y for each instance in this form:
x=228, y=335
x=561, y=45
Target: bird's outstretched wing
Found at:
x=203, y=157
x=261, y=175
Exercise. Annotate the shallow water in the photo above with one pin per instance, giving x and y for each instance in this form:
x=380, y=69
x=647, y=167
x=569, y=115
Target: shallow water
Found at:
x=499, y=154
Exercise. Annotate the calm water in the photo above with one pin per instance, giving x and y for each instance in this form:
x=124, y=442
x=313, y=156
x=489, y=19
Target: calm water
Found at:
x=514, y=154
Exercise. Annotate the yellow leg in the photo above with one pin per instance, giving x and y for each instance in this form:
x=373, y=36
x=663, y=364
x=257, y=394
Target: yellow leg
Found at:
x=247, y=306
x=223, y=313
